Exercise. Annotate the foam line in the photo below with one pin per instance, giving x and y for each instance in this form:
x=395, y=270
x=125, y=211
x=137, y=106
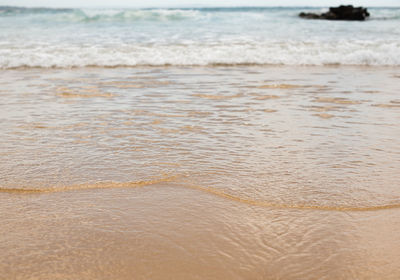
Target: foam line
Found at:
x=208, y=190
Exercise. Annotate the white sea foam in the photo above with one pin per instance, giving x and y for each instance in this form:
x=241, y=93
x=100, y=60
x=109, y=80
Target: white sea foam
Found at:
x=286, y=53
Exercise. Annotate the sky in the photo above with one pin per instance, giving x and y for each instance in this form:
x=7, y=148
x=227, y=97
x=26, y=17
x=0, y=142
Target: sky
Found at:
x=189, y=3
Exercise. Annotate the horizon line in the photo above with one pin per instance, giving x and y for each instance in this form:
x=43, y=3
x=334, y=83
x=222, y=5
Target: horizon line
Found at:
x=187, y=6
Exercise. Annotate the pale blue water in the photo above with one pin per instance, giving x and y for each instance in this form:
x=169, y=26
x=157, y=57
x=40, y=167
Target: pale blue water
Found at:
x=202, y=36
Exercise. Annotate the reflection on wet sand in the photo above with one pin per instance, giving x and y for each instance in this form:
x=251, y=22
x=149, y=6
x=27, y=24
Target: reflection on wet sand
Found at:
x=83, y=93
x=154, y=232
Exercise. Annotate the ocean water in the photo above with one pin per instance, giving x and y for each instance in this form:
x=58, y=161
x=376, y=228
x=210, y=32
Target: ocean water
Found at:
x=203, y=36
x=231, y=143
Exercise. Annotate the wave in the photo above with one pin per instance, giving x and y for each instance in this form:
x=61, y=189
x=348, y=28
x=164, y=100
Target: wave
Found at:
x=100, y=185
x=208, y=190
x=165, y=14
x=135, y=15
x=101, y=15
x=13, y=10
x=368, y=53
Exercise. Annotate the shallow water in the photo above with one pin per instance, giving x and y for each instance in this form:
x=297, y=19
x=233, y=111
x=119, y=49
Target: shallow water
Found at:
x=214, y=172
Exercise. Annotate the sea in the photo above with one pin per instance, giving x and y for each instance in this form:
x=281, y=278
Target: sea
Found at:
x=199, y=143
x=43, y=37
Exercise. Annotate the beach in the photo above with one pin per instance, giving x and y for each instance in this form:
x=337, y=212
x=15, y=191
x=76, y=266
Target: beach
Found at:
x=193, y=172
x=230, y=156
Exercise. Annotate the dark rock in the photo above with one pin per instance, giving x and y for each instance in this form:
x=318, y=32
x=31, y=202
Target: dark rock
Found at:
x=339, y=13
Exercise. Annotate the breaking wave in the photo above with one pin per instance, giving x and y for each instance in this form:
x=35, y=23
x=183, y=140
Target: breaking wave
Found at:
x=100, y=15
x=383, y=53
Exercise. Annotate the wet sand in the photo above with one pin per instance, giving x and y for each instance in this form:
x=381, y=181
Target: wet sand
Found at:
x=200, y=173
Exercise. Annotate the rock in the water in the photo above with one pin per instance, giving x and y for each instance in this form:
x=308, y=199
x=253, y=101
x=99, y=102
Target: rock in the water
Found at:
x=340, y=13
